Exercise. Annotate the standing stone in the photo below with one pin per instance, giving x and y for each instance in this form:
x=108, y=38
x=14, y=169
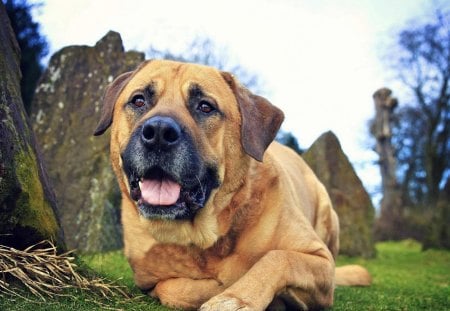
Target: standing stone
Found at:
x=28, y=211
x=65, y=112
x=350, y=200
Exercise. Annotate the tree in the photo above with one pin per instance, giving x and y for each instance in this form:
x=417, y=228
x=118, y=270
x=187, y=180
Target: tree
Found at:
x=422, y=134
x=204, y=51
x=32, y=44
x=288, y=139
x=421, y=130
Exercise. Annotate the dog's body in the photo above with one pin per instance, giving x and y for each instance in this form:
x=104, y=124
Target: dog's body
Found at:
x=212, y=215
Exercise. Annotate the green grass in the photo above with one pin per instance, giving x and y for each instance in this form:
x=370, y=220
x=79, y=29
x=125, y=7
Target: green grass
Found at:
x=404, y=278
x=112, y=266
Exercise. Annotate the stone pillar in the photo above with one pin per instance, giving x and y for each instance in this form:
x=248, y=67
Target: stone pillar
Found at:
x=389, y=223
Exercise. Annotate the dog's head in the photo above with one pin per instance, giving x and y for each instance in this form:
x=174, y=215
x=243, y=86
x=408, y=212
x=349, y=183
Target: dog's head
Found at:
x=179, y=131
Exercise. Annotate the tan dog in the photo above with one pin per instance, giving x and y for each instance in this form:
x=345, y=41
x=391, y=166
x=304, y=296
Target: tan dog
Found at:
x=215, y=215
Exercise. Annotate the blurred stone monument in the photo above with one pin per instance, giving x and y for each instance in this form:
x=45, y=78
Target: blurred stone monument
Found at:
x=391, y=207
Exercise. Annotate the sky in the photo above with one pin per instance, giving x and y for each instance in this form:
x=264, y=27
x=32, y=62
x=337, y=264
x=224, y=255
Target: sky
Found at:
x=320, y=61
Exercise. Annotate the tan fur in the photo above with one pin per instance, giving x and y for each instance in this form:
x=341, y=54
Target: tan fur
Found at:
x=268, y=231
x=352, y=275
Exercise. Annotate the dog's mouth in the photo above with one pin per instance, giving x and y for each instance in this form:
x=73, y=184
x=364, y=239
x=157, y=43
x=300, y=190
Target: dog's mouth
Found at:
x=157, y=188
x=159, y=195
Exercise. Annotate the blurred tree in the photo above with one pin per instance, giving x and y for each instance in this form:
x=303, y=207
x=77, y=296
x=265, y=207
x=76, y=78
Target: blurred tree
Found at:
x=421, y=126
x=422, y=131
x=288, y=139
x=32, y=44
x=204, y=51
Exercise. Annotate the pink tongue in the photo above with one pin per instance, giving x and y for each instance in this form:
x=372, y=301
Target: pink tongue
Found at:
x=160, y=192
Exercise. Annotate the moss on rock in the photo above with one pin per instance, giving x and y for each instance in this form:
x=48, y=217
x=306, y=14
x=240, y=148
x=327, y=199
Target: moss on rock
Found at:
x=39, y=215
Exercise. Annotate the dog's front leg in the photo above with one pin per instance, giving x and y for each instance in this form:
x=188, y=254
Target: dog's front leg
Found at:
x=186, y=294
x=308, y=277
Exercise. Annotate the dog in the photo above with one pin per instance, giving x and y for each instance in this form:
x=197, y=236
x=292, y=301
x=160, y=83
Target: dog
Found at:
x=217, y=215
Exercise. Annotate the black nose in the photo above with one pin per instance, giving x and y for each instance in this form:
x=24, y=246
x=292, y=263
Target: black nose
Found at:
x=160, y=132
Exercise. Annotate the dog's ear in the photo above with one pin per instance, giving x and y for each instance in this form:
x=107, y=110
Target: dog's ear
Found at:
x=109, y=99
x=260, y=119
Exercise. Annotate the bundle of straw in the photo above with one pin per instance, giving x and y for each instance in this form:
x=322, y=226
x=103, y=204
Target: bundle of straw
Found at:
x=45, y=273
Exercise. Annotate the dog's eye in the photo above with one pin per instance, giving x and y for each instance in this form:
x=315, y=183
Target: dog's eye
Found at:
x=138, y=101
x=205, y=107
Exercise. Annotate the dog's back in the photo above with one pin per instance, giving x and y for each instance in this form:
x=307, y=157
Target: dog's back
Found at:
x=319, y=210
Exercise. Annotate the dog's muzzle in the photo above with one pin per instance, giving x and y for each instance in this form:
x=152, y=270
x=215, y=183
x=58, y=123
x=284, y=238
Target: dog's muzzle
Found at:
x=167, y=176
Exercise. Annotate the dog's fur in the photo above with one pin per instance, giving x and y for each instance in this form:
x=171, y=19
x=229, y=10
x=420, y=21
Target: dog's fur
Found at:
x=258, y=232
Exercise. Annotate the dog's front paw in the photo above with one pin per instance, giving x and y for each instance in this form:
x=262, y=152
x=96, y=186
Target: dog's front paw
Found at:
x=225, y=302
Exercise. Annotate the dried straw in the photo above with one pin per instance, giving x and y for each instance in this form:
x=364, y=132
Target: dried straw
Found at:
x=45, y=273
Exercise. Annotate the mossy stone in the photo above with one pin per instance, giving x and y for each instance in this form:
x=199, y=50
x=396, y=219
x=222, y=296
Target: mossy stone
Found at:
x=65, y=112
x=28, y=210
x=350, y=200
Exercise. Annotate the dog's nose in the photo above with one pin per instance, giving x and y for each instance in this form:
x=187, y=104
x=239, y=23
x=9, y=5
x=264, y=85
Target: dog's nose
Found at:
x=160, y=132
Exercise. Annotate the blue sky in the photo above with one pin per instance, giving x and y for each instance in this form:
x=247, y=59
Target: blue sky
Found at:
x=320, y=61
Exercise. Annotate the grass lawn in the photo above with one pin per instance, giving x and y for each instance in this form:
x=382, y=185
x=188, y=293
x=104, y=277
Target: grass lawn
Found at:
x=404, y=278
